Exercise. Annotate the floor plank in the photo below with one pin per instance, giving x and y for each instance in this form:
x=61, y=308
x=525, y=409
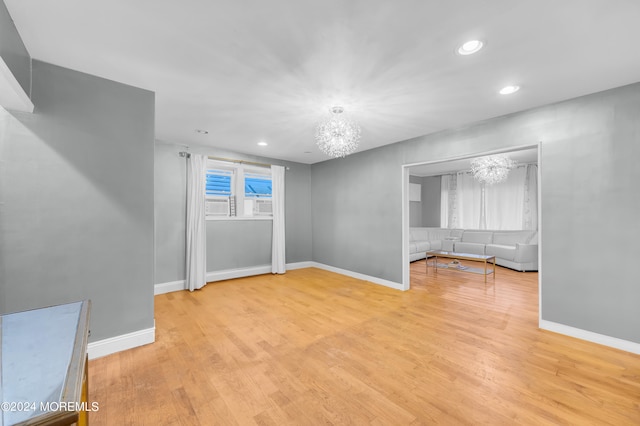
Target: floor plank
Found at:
x=314, y=347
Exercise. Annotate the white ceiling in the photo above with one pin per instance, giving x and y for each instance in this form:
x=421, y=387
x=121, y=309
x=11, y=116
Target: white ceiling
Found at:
x=251, y=70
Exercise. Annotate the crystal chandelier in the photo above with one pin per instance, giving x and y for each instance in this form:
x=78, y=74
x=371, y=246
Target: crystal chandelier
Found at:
x=337, y=136
x=492, y=169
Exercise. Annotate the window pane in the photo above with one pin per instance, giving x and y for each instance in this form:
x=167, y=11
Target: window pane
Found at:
x=218, y=183
x=257, y=186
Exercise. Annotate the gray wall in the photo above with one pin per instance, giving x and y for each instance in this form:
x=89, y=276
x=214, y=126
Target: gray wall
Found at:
x=238, y=244
x=426, y=212
x=170, y=212
x=13, y=51
x=590, y=203
x=415, y=207
x=356, y=207
x=230, y=244
x=431, y=201
x=76, y=200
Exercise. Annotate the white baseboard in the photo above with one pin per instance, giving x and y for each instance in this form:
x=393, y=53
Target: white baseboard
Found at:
x=266, y=269
x=168, y=287
x=121, y=343
x=300, y=265
x=375, y=280
x=229, y=274
x=590, y=336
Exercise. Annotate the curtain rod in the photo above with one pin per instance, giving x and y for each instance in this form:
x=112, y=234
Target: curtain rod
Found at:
x=230, y=160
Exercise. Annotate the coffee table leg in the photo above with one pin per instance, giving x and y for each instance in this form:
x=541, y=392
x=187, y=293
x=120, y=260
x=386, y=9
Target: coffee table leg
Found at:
x=494, y=268
x=485, y=270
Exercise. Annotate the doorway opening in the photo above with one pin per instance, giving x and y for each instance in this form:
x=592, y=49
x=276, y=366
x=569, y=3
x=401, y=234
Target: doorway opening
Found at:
x=426, y=209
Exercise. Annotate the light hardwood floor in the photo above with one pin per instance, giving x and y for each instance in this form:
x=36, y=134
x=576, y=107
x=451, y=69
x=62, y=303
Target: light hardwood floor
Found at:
x=313, y=347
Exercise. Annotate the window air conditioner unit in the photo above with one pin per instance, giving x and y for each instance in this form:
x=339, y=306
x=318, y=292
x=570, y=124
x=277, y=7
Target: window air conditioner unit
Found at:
x=263, y=208
x=217, y=207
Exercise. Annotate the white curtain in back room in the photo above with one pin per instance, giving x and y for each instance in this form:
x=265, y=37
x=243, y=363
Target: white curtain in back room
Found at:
x=510, y=205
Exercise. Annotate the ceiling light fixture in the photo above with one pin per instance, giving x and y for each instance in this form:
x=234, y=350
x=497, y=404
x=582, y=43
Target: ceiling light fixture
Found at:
x=262, y=143
x=507, y=90
x=202, y=132
x=337, y=136
x=470, y=47
x=492, y=169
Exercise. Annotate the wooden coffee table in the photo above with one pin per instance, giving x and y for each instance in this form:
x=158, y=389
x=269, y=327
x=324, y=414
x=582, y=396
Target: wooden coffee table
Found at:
x=463, y=256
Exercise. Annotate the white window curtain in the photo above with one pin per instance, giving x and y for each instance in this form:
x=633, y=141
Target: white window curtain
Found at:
x=510, y=205
x=505, y=201
x=468, y=201
x=448, y=202
x=278, y=237
x=196, y=257
x=444, y=200
x=530, y=212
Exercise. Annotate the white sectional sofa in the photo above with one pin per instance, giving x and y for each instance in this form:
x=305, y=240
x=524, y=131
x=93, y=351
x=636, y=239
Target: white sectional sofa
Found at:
x=423, y=239
x=512, y=249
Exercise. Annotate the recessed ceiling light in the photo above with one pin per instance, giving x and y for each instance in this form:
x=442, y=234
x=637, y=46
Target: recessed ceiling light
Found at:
x=262, y=143
x=202, y=132
x=470, y=47
x=509, y=90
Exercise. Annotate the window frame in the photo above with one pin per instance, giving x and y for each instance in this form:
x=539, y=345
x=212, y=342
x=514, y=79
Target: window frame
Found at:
x=232, y=173
x=238, y=189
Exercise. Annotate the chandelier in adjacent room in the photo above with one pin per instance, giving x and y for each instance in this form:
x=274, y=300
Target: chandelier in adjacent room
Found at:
x=492, y=169
x=337, y=136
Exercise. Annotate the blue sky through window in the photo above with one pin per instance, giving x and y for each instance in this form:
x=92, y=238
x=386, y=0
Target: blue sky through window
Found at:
x=218, y=183
x=257, y=186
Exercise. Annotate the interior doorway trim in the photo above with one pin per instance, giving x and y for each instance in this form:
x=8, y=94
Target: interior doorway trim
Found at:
x=406, y=279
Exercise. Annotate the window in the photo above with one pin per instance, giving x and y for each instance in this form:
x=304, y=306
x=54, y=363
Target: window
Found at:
x=219, y=182
x=257, y=186
x=257, y=194
x=219, y=192
x=237, y=191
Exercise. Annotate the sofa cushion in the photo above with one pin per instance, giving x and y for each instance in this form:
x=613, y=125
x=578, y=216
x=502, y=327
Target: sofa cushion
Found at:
x=511, y=238
x=435, y=245
x=481, y=237
x=418, y=234
x=473, y=248
x=527, y=253
x=422, y=246
x=456, y=233
x=447, y=244
x=533, y=239
x=413, y=248
x=501, y=251
x=438, y=233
